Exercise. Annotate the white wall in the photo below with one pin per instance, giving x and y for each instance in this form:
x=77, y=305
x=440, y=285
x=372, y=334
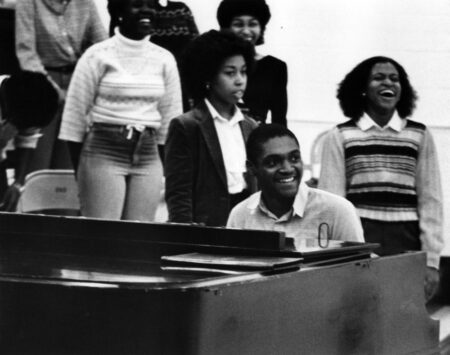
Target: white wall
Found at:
x=321, y=40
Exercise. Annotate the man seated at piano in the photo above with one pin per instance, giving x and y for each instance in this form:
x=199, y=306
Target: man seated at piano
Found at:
x=28, y=102
x=285, y=203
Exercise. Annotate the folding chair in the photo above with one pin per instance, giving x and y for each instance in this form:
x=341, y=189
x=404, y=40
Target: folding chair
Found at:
x=315, y=159
x=53, y=192
x=316, y=153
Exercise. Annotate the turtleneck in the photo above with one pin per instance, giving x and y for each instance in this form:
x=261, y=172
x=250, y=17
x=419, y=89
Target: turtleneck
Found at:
x=123, y=82
x=130, y=44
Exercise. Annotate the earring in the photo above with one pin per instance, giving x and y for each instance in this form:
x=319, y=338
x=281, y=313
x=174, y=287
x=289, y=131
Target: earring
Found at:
x=208, y=86
x=363, y=94
x=120, y=19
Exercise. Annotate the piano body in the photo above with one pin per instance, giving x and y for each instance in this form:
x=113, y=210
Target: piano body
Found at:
x=85, y=286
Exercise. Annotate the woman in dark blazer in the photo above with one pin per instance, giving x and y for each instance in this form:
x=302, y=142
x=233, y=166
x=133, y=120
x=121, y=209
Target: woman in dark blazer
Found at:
x=205, y=148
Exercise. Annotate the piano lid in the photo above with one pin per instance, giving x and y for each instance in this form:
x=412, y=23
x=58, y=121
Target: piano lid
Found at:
x=128, y=254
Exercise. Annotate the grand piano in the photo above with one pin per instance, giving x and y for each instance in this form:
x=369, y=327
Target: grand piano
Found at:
x=86, y=286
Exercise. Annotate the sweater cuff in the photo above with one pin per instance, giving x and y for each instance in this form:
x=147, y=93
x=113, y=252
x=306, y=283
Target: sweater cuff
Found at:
x=65, y=135
x=433, y=260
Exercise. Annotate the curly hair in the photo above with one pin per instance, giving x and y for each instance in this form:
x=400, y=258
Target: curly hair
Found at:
x=31, y=100
x=204, y=56
x=351, y=89
x=231, y=8
x=261, y=135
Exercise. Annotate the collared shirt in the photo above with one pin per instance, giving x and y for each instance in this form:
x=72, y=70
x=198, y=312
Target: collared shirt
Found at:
x=298, y=207
x=233, y=147
x=395, y=123
x=310, y=209
x=10, y=137
x=55, y=33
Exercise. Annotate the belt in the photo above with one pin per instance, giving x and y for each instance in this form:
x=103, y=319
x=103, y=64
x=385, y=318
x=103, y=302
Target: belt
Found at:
x=129, y=132
x=65, y=69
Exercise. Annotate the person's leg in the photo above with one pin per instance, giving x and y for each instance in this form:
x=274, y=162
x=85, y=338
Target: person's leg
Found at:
x=42, y=155
x=102, y=174
x=393, y=237
x=143, y=195
x=145, y=182
x=3, y=180
x=60, y=158
x=52, y=153
x=101, y=187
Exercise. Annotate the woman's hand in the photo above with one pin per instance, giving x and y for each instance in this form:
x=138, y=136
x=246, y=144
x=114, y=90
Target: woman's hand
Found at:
x=61, y=93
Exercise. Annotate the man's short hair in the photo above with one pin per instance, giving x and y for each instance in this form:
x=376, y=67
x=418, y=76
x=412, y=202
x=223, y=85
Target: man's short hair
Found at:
x=261, y=135
x=31, y=100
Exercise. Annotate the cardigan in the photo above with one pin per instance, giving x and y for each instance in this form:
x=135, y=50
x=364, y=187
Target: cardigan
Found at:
x=52, y=34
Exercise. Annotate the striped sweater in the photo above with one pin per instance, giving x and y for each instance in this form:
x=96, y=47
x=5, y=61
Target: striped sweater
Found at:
x=388, y=174
x=381, y=170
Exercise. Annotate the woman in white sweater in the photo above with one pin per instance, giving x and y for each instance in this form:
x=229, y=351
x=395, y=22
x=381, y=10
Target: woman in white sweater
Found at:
x=123, y=93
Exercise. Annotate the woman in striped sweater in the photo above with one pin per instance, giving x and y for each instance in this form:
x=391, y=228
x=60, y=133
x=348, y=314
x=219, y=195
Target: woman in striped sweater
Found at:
x=386, y=164
x=123, y=93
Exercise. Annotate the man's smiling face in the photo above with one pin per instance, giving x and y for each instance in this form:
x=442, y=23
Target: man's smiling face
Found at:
x=279, y=168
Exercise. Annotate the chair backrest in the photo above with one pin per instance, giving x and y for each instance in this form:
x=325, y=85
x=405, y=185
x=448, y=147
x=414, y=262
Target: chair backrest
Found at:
x=316, y=154
x=53, y=192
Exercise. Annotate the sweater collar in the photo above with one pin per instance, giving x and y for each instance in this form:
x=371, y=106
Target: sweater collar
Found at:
x=57, y=6
x=130, y=43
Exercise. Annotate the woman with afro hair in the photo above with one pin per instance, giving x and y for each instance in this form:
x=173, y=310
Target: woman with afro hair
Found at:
x=386, y=163
x=267, y=83
x=205, y=149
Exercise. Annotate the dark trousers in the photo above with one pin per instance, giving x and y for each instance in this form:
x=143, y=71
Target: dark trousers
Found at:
x=51, y=152
x=3, y=180
x=393, y=237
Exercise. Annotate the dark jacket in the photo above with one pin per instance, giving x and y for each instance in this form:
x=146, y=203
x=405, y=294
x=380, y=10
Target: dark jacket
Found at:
x=267, y=91
x=196, y=183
